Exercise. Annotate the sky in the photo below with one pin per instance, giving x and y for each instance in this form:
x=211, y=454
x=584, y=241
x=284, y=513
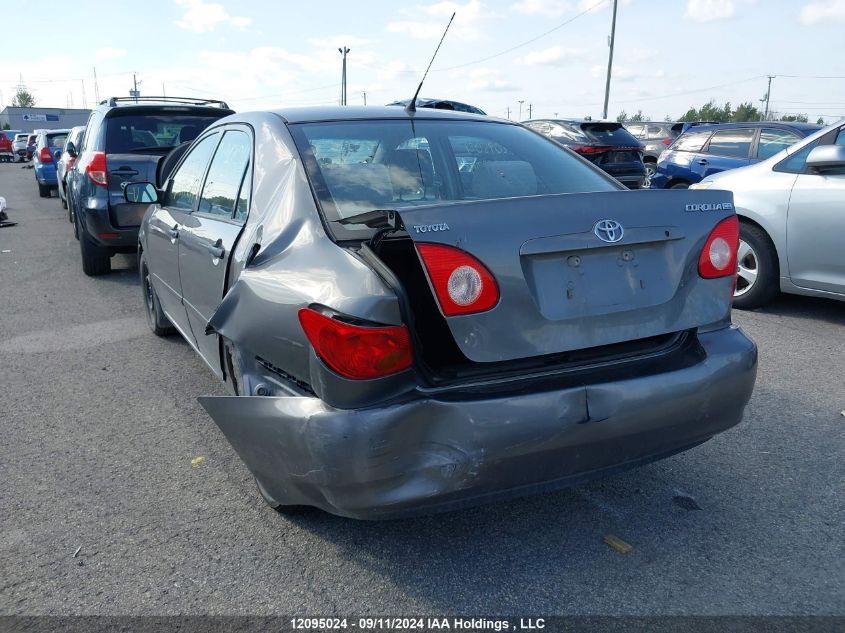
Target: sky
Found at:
x=551, y=55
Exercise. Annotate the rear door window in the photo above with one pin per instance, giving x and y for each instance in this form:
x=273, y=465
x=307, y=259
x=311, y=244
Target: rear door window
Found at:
x=773, y=141
x=731, y=143
x=225, y=175
x=186, y=181
x=691, y=142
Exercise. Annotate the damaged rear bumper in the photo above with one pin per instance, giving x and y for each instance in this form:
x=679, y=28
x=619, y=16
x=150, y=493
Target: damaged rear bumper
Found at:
x=437, y=453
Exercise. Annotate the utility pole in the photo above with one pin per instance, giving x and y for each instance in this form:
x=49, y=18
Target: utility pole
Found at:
x=343, y=51
x=509, y=112
x=530, y=109
x=521, y=101
x=365, y=97
x=556, y=114
x=610, y=60
x=84, y=99
x=163, y=93
x=96, y=87
x=768, y=94
x=134, y=92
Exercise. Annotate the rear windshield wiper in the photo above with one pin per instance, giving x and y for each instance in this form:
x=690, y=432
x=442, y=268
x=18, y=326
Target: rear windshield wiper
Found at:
x=375, y=219
x=148, y=148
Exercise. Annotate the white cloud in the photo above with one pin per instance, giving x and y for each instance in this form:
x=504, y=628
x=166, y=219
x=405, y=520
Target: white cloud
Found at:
x=485, y=79
x=202, y=17
x=464, y=27
x=339, y=40
x=552, y=56
x=823, y=10
x=619, y=73
x=108, y=52
x=550, y=8
x=709, y=10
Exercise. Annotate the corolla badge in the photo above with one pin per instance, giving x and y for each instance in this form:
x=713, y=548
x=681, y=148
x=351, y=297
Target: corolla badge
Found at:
x=609, y=231
x=427, y=228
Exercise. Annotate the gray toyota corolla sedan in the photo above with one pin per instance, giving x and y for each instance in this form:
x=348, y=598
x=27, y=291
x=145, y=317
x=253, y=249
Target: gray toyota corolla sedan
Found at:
x=415, y=311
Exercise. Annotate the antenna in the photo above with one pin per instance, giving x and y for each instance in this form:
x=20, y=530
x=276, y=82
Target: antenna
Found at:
x=412, y=105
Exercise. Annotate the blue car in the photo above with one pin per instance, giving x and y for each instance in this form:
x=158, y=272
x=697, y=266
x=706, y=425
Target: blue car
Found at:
x=48, y=150
x=703, y=150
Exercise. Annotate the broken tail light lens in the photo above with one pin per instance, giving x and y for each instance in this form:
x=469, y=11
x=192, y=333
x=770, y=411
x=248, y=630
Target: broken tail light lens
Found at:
x=354, y=351
x=718, y=257
x=461, y=283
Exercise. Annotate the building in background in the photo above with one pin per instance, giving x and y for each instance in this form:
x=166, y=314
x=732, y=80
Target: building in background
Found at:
x=28, y=119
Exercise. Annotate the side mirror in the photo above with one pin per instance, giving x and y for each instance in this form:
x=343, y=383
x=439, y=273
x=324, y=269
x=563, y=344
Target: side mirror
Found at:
x=58, y=154
x=71, y=150
x=140, y=193
x=826, y=157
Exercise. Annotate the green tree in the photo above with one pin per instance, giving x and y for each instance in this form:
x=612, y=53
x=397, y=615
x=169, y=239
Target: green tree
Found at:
x=746, y=112
x=639, y=117
x=820, y=121
x=797, y=118
x=622, y=117
x=23, y=99
x=6, y=126
x=668, y=119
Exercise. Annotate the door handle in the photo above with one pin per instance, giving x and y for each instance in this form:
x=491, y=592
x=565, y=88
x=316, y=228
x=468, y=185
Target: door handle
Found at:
x=123, y=171
x=702, y=161
x=174, y=233
x=217, y=251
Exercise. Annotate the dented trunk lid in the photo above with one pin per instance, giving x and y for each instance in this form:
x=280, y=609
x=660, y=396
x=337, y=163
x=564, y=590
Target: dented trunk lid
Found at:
x=562, y=287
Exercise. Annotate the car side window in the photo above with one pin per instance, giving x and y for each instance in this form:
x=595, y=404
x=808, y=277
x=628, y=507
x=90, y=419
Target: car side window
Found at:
x=656, y=133
x=186, y=181
x=773, y=141
x=225, y=175
x=731, y=143
x=840, y=138
x=636, y=130
x=797, y=162
x=242, y=206
x=691, y=142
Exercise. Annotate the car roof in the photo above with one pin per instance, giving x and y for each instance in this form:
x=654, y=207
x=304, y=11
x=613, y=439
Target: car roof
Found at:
x=804, y=127
x=315, y=114
x=576, y=121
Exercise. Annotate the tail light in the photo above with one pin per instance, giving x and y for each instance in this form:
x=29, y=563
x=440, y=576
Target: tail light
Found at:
x=462, y=284
x=95, y=169
x=45, y=156
x=357, y=352
x=718, y=257
x=589, y=149
x=667, y=141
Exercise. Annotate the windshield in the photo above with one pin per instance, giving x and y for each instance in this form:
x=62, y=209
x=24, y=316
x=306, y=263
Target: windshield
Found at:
x=360, y=166
x=128, y=133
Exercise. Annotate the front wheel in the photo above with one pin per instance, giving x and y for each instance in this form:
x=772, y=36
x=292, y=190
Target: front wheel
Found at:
x=156, y=319
x=757, y=269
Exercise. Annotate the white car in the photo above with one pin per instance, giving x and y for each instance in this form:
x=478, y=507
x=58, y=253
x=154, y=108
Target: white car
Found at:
x=792, y=220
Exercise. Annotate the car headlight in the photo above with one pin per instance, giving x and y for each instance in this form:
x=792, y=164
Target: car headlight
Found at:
x=702, y=185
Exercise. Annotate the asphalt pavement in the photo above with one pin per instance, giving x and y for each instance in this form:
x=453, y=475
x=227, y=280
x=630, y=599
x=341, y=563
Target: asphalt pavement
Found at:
x=100, y=425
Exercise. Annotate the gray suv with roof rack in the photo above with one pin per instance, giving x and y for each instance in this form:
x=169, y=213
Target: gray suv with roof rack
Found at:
x=127, y=139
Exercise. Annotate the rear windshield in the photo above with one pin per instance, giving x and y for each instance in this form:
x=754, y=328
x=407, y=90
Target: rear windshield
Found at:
x=138, y=132
x=56, y=140
x=610, y=134
x=21, y=137
x=360, y=166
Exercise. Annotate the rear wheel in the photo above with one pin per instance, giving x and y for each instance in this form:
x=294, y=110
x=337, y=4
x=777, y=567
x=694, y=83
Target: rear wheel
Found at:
x=96, y=260
x=62, y=197
x=156, y=319
x=650, y=169
x=680, y=185
x=43, y=190
x=757, y=269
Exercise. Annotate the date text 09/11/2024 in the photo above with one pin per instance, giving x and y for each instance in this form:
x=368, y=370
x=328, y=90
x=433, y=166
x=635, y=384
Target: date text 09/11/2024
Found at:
x=417, y=624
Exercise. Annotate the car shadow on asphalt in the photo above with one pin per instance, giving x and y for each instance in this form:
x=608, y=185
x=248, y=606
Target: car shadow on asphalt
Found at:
x=124, y=271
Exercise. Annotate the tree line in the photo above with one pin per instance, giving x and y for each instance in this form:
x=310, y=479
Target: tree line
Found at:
x=720, y=114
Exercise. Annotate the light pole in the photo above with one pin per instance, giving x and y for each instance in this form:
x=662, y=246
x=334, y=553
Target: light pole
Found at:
x=610, y=60
x=521, y=101
x=343, y=51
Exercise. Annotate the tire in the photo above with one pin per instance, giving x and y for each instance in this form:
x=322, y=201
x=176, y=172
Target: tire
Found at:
x=650, y=170
x=156, y=319
x=96, y=260
x=43, y=190
x=757, y=264
x=61, y=197
x=680, y=185
x=75, y=225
